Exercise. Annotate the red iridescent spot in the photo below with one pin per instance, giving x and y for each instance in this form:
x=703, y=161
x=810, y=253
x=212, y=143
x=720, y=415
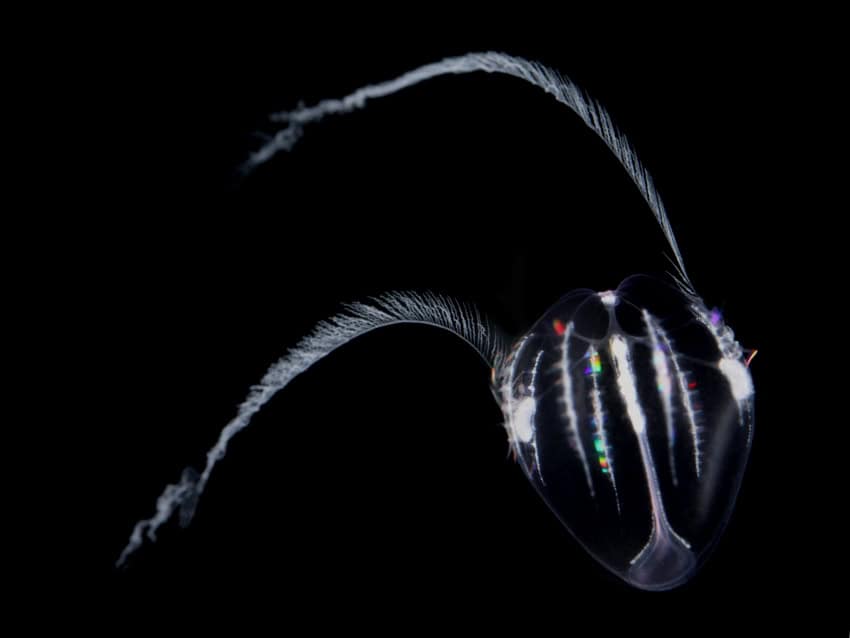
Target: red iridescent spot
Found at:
x=559, y=327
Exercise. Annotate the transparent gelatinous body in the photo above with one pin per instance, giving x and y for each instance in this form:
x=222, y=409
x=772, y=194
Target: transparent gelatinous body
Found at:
x=631, y=413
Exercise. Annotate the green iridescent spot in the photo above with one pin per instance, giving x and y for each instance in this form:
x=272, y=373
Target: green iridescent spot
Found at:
x=596, y=363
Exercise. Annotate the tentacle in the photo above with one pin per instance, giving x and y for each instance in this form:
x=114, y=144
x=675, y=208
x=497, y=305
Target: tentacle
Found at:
x=360, y=318
x=557, y=85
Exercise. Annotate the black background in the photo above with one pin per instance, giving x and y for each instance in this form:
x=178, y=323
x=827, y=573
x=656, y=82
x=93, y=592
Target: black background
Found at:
x=377, y=486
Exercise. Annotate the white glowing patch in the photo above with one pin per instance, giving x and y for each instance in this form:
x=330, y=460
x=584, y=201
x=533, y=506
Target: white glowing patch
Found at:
x=664, y=383
x=532, y=385
x=512, y=407
x=687, y=400
x=522, y=422
x=664, y=543
x=609, y=298
x=599, y=419
x=626, y=382
x=662, y=374
x=738, y=377
x=569, y=401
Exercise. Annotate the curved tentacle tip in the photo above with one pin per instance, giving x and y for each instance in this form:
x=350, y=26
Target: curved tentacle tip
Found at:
x=284, y=140
x=751, y=357
x=189, y=500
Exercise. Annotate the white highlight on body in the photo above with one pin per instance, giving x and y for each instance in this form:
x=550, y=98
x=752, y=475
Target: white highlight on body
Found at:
x=523, y=419
x=609, y=298
x=739, y=379
x=687, y=400
x=626, y=383
x=519, y=421
x=551, y=81
x=512, y=410
x=569, y=400
x=599, y=418
x=664, y=543
x=532, y=390
x=388, y=309
x=730, y=364
x=664, y=384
